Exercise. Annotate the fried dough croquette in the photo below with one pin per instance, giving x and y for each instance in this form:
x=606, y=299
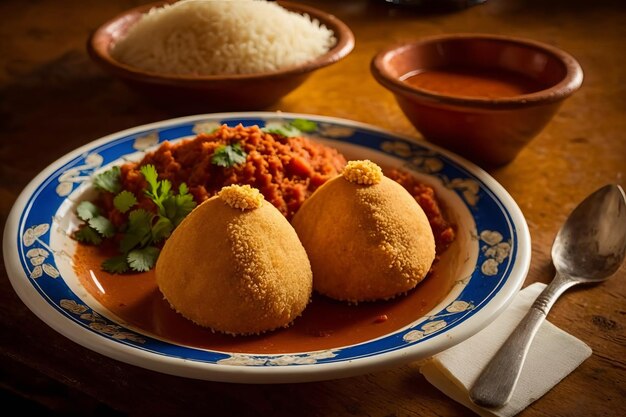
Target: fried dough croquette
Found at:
x=366, y=237
x=235, y=265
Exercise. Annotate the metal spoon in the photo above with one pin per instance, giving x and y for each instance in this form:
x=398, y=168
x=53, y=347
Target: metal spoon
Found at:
x=589, y=248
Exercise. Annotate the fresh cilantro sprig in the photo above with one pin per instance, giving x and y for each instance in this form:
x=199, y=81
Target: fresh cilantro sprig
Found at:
x=293, y=128
x=157, y=190
x=143, y=259
x=108, y=181
x=88, y=235
x=303, y=125
x=116, y=265
x=124, y=201
x=178, y=207
x=138, y=230
x=97, y=226
x=144, y=230
x=228, y=155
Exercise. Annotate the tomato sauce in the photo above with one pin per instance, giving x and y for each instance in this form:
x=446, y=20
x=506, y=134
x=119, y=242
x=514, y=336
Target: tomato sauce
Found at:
x=136, y=301
x=474, y=83
x=286, y=171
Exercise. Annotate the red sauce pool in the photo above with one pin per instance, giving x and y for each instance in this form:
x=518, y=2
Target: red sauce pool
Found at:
x=474, y=83
x=136, y=300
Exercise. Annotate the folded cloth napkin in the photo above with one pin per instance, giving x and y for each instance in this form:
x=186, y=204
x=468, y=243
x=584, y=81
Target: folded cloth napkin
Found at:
x=552, y=356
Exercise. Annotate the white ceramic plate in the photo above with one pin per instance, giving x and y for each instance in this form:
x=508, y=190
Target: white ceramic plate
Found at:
x=492, y=256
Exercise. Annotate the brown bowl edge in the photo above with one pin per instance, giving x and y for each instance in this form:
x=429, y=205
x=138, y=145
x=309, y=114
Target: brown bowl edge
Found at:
x=568, y=85
x=98, y=51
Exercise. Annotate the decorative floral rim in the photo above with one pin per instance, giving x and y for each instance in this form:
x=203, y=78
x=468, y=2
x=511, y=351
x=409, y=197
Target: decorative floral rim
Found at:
x=502, y=260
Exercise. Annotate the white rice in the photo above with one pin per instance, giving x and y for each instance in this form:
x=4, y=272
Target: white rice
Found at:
x=209, y=37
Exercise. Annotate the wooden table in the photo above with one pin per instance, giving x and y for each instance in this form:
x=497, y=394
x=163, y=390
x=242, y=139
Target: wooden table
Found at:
x=53, y=99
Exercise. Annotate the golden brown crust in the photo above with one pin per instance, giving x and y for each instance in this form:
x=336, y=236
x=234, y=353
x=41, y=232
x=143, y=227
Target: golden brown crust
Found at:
x=241, y=197
x=365, y=242
x=363, y=172
x=237, y=272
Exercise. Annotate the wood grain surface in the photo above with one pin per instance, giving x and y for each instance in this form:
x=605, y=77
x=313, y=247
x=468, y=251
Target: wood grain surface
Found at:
x=53, y=99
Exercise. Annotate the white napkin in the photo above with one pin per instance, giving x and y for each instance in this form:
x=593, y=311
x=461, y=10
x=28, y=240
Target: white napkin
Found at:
x=552, y=356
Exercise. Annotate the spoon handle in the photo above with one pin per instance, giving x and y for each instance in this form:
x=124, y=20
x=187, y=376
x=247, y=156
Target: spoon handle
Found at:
x=494, y=386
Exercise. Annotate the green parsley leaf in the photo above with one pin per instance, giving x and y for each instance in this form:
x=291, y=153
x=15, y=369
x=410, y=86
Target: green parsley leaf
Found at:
x=87, y=210
x=140, y=221
x=143, y=229
x=166, y=189
x=304, y=125
x=178, y=207
x=129, y=241
x=143, y=259
x=161, y=229
x=116, y=265
x=124, y=201
x=150, y=174
x=291, y=129
x=170, y=208
x=88, y=235
x=158, y=191
x=229, y=155
x=138, y=231
x=108, y=180
x=284, y=129
x=102, y=225
x=185, y=204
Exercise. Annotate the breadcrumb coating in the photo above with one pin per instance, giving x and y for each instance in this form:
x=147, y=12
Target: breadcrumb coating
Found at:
x=363, y=172
x=365, y=243
x=235, y=271
x=241, y=197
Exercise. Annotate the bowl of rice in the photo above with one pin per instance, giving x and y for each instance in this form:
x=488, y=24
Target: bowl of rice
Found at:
x=216, y=55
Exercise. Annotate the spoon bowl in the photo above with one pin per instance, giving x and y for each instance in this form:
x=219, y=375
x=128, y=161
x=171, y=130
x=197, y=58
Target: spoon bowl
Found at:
x=588, y=248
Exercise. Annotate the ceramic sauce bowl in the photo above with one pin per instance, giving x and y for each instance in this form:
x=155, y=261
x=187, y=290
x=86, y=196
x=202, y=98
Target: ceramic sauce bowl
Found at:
x=482, y=96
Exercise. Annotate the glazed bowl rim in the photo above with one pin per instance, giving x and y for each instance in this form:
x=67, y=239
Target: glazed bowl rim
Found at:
x=564, y=88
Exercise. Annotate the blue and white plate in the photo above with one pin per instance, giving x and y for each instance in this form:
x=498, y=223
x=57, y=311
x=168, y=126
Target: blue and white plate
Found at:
x=491, y=256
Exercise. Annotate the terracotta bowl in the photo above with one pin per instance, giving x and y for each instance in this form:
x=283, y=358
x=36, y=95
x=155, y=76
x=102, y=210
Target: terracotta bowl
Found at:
x=215, y=92
x=490, y=131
